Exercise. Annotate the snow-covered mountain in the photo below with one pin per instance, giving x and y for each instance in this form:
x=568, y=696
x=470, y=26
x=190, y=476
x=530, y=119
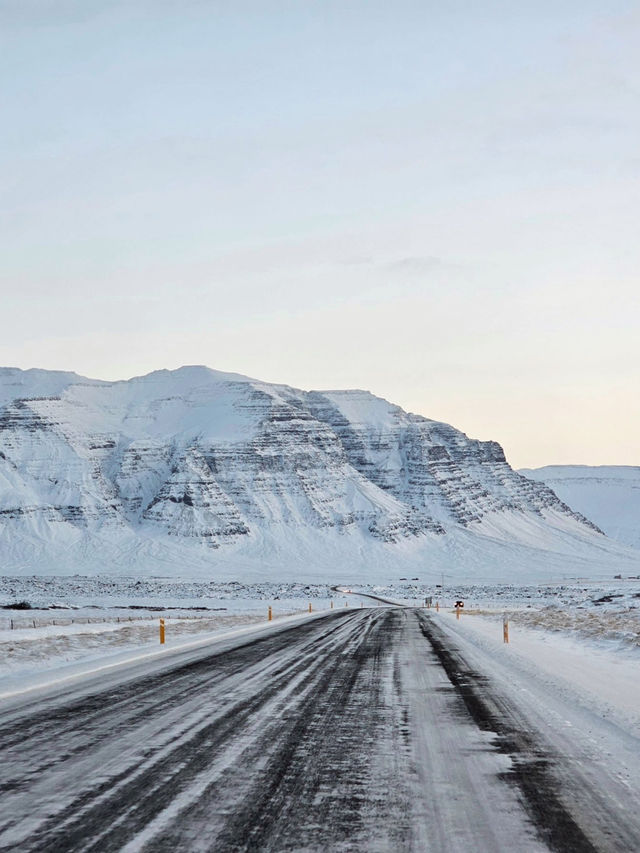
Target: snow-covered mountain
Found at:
x=195, y=470
x=607, y=494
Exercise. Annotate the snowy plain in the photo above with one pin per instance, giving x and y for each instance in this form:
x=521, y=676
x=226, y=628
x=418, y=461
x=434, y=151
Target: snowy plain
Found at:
x=61, y=621
x=101, y=616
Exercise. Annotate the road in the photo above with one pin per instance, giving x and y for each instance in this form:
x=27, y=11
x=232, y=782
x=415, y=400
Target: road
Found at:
x=365, y=730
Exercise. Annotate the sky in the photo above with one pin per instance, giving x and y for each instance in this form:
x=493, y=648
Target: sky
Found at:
x=437, y=202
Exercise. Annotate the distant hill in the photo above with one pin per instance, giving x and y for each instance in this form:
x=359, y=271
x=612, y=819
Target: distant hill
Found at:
x=608, y=494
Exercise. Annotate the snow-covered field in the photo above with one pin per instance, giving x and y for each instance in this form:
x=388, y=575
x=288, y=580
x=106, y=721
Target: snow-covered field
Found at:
x=26, y=651
x=159, y=592
x=48, y=622
x=590, y=611
x=65, y=620
x=619, y=624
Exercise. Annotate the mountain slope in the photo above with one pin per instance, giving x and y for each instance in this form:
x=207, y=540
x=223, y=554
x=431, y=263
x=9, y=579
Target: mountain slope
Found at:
x=205, y=466
x=608, y=494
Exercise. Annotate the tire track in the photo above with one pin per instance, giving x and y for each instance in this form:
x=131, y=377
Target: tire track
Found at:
x=536, y=769
x=145, y=790
x=333, y=735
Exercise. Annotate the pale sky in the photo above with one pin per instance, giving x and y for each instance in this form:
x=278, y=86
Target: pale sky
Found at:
x=438, y=202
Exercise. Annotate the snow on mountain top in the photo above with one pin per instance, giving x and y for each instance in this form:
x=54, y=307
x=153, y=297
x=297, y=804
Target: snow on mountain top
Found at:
x=363, y=407
x=189, y=375
x=190, y=401
x=17, y=384
x=584, y=472
x=193, y=400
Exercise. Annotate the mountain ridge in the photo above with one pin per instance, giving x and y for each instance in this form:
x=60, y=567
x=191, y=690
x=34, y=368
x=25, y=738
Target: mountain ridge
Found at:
x=203, y=459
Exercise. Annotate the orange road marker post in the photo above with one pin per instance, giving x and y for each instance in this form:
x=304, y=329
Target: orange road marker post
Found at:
x=505, y=628
x=162, y=632
x=270, y=617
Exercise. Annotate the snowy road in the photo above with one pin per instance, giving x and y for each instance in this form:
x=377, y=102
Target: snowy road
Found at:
x=365, y=730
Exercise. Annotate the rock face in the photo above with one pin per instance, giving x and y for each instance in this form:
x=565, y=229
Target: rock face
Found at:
x=195, y=454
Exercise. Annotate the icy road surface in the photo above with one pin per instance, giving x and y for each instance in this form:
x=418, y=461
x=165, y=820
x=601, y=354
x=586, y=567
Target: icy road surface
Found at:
x=365, y=730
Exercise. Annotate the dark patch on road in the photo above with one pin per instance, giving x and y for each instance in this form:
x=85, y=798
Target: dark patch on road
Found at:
x=300, y=773
x=532, y=767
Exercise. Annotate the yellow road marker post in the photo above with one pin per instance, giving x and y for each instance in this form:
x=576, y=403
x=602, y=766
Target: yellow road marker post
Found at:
x=309, y=607
x=270, y=617
x=162, y=632
x=505, y=628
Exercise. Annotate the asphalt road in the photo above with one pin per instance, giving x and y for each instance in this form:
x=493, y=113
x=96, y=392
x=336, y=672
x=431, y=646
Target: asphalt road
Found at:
x=362, y=731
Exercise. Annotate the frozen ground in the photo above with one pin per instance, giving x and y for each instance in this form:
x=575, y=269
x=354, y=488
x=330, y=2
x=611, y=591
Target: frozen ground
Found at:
x=26, y=651
x=618, y=625
x=97, y=616
x=80, y=620
x=161, y=592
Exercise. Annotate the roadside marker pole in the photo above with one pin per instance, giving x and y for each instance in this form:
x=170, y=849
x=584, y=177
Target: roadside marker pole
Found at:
x=505, y=628
x=332, y=603
x=162, y=632
x=270, y=614
x=437, y=607
x=309, y=607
